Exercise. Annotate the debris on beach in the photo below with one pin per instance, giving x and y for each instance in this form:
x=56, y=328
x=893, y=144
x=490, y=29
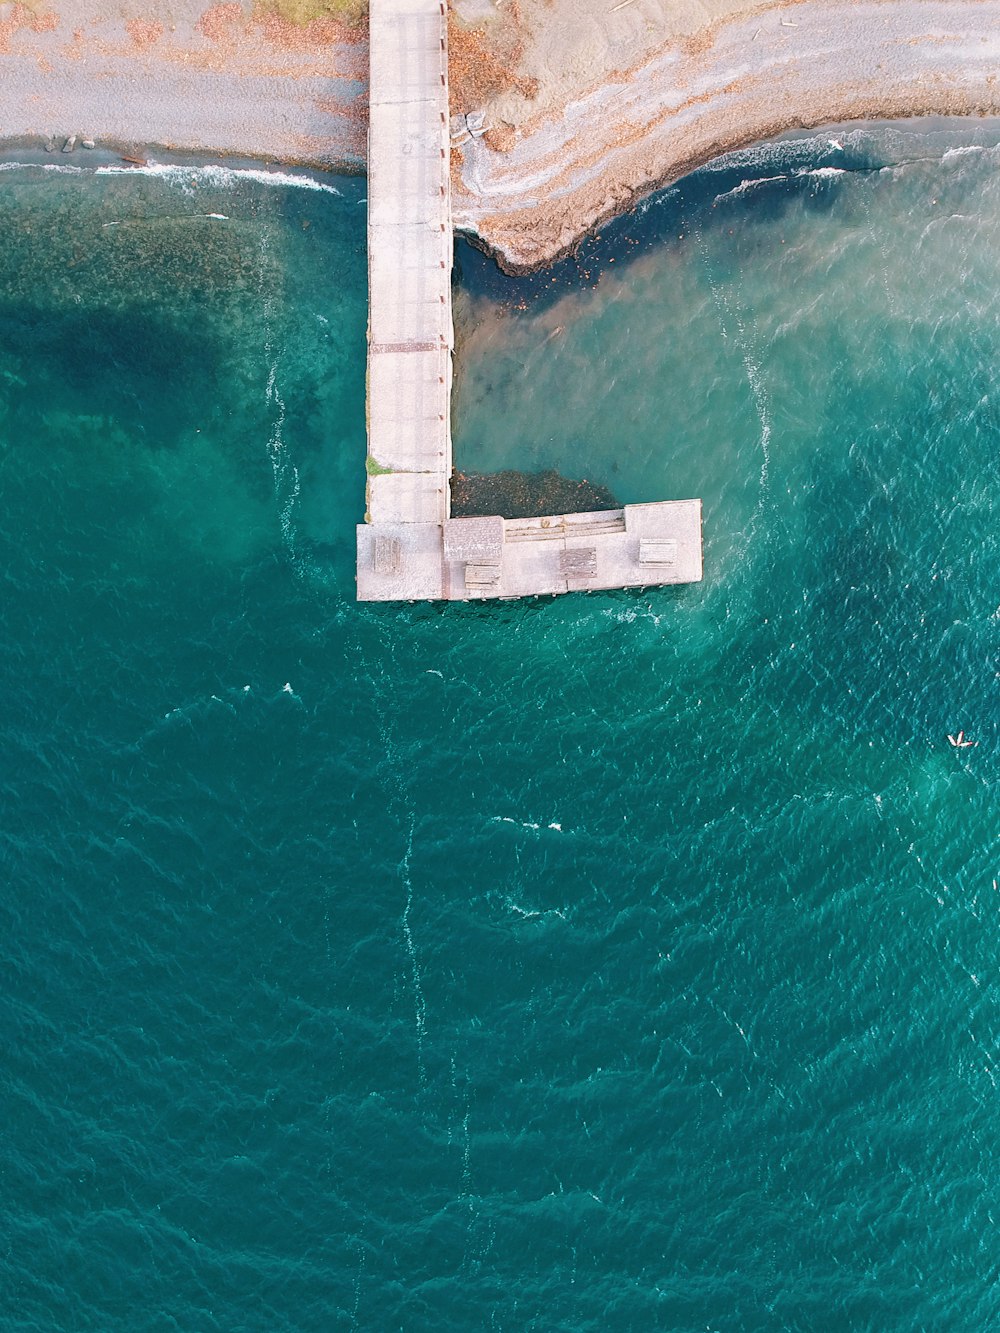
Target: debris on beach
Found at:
x=483, y=63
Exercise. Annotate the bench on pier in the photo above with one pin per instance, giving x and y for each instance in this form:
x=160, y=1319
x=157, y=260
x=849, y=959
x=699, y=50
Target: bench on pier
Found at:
x=578, y=563
x=476, y=543
x=388, y=557
x=657, y=551
x=474, y=540
x=482, y=578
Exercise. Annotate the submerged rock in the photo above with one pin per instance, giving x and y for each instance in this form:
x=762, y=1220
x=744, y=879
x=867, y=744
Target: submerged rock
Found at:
x=525, y=494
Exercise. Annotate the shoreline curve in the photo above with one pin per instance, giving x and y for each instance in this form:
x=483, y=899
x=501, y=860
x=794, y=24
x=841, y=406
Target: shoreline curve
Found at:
x=785, y=67
x=574, y=164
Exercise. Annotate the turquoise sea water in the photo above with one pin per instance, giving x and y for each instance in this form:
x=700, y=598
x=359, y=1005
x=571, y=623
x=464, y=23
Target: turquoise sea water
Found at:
x=621, y=961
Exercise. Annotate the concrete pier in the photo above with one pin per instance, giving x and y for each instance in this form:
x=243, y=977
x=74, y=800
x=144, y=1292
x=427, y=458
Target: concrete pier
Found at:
x=409, y=264
x=466, y=559
x=409, y=547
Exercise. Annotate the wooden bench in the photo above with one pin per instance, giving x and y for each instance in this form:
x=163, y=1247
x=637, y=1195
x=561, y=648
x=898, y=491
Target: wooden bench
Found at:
x=657, y=550
x=578, y=563
x=482, y=577
x=388, y=554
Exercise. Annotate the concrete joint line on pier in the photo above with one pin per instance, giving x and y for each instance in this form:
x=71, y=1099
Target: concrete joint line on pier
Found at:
x=409, y=547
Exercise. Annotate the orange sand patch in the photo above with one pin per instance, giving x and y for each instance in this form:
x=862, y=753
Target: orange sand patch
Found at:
x=217, y=23
x=481, y=67
x=21, y=19
x=311, y=36
x=227, y=25
x=144, y=34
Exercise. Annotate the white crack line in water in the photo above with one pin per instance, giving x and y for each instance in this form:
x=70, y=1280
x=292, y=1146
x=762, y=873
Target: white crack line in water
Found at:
x=418, y=991
x=398, y=791
x=758, y=390
x=287, y=486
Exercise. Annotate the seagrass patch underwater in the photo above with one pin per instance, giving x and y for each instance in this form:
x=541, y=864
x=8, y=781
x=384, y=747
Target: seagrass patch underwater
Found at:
x=610, y=962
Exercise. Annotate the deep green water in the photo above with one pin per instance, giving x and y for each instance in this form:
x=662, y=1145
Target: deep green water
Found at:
x=612, y=962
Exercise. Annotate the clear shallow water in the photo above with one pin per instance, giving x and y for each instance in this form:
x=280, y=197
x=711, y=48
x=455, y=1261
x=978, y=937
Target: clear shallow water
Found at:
x=621, y=961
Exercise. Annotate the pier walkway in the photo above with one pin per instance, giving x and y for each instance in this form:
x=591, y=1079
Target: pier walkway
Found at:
x=409, y=547
x=409, y=317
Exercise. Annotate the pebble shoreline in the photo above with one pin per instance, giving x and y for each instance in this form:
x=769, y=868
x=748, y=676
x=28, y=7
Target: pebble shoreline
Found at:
x=783, y=67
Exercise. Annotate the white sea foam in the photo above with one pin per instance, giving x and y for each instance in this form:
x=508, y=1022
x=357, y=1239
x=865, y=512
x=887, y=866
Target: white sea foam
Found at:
x=186, y=217
x=215, y=176
x=210, y=174
x=762, y=404
x=653, y=201
x=286, y=475
x=776, y=153
x=746, y=186
x=63, y=167
x=758, y=389
x=534, y=914
x=524, y=823
x=755, y=182
x=822, y=171
x=962, y=152
x=411, y=949
x=287, y=486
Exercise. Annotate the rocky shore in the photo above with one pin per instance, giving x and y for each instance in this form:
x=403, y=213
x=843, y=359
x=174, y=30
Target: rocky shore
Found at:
x=746, y=77
x=585, y=106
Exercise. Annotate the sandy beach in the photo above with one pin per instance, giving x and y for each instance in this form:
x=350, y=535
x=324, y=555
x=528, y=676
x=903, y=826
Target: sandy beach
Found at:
x=587, y=106
x=596, y=137
x=182, y=75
